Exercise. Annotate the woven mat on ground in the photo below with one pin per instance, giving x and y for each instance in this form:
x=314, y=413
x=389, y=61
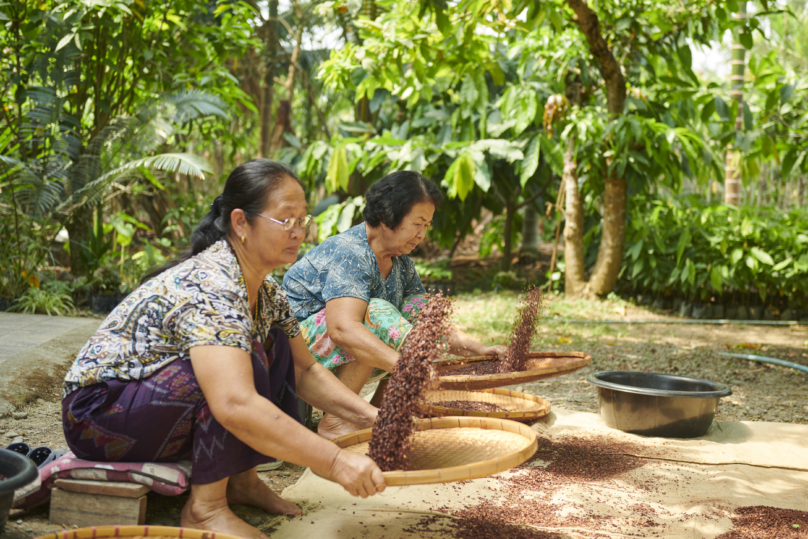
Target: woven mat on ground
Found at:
x=585, y=481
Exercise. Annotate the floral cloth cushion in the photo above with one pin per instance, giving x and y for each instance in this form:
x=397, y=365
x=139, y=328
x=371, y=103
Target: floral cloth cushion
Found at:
x=169, y=479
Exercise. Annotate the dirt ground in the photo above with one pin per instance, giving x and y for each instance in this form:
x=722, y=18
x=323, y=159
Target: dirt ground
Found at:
x=761, y=392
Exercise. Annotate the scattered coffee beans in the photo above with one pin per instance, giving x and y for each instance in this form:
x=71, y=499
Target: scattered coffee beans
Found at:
x=524, y=327
x=761, y=522
x=413, y=374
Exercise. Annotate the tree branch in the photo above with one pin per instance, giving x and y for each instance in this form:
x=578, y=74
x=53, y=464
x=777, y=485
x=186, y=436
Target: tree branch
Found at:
x=609, y=66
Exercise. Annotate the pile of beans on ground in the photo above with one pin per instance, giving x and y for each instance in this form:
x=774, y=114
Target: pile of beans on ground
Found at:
x=404, y=394
x=761, y=522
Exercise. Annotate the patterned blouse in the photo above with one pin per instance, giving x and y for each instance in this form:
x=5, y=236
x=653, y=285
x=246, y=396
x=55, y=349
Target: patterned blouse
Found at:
x=202, y=301
x=345, y=266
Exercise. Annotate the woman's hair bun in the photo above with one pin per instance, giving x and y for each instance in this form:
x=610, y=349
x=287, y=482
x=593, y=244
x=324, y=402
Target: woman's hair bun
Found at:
x=216, y=206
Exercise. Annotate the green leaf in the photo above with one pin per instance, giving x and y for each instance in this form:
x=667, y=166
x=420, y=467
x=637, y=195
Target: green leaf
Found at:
x=736, y=255
x=785, y=93
x=635, y=250
x=684, y=242
x=555, y=18
x=745, y=37
x=531, y=161
x=468, y=91
x=499, y=148
x=346, y=218
x=637, y=268
x=464, y=176
x=708, y=110
x=686, y=56
x=152, y=179
x=64, y=41
x=783, y=265
x=497, y=75
x=482, y=175
x=337, y=175
x=716, y=279
x=746, y=227
x=722, y=109
x=526, y=110
x=762, y=256
x=748, y=121
x=788, y=162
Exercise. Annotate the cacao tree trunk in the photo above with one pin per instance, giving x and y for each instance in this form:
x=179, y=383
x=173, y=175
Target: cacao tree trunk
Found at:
x=78, y=230
x=283, y=120
x=530, y=235
x=510, y=210
x=610, y=254
x=271, y=48
x=574, y=267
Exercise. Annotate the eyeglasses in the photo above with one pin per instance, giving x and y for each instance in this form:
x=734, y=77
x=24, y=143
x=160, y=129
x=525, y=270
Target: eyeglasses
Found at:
x=290, y=223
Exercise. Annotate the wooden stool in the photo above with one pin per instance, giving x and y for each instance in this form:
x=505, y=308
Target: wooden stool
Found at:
x=80, y=502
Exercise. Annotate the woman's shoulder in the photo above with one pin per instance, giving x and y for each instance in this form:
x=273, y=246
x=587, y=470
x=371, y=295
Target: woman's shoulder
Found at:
x=349, y=244
x=213, y=271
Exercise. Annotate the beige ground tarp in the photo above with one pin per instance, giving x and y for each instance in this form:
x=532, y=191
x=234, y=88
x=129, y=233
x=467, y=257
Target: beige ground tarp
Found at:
x=677, y=488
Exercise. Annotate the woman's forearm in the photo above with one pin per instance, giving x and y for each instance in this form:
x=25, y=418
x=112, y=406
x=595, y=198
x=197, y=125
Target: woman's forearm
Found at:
x=324, y=391
x=252, y=419
x=464, y=345
x=363, y=345
x=237, y=406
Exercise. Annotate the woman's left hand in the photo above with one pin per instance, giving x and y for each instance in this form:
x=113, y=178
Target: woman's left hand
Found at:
x=495, y=350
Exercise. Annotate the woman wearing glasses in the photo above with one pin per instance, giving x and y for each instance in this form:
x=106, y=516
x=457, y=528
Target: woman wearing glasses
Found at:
x=357, y=294
x=204, y=362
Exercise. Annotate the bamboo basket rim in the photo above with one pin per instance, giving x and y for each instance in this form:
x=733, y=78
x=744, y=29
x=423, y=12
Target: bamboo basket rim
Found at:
x=508, y=378
x=455, y=473
x=103, y=532
x=514, y=415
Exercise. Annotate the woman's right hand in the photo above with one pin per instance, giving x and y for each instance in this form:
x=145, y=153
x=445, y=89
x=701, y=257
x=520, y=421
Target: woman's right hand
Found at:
x=357, y=473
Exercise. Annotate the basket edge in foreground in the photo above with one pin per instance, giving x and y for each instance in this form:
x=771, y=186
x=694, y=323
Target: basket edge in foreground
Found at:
x=456, y=473
x=104, y=532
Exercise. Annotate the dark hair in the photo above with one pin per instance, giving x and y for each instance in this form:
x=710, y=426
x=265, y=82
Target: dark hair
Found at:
x=390, y=199
x=247, y=188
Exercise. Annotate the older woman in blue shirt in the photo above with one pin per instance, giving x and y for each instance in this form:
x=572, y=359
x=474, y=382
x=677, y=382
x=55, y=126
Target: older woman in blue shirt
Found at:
x=357, y=294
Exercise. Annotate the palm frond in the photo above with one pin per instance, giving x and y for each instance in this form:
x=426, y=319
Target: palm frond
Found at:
x=183, y=163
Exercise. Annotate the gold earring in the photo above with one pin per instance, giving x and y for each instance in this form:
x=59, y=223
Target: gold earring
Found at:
x=242, y=239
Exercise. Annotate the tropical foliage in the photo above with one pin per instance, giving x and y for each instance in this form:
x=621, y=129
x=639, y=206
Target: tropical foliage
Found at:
x=119, y=120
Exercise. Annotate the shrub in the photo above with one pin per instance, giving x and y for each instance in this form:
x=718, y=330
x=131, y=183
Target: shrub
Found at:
x=697, y=251
x=39, y=300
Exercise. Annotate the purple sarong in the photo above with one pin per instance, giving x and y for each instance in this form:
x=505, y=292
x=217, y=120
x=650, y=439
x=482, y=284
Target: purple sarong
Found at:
x=165, y=418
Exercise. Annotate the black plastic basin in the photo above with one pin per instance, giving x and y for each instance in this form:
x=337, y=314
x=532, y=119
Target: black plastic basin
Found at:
x=18, y=471
x=654, y=404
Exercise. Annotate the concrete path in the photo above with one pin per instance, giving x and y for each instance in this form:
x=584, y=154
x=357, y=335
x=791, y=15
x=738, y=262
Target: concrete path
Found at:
x=31, y=341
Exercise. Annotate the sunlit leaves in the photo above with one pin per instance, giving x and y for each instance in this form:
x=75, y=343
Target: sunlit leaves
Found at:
x=531, y=161
x=337, y=175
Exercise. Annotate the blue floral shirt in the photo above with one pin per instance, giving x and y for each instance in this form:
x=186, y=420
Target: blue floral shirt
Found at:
x=345, y=266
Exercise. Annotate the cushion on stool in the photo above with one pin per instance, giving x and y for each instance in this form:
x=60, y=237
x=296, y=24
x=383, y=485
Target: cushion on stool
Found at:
x=169, y=479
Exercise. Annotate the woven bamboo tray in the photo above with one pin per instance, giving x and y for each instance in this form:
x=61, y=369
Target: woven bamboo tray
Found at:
x=518, y=406
x=136, y=532
x=455, y=449
x=540, y=365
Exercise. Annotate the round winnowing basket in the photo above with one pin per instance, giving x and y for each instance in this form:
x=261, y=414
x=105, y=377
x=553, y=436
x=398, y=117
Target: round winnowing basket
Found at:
x=136, y=532
x=517, y=406
x=539, y=365
x=455, y=449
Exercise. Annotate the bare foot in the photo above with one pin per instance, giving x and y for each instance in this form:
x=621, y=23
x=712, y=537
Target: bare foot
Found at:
x=216, y=517
x=247, y=488
x=332, y=427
